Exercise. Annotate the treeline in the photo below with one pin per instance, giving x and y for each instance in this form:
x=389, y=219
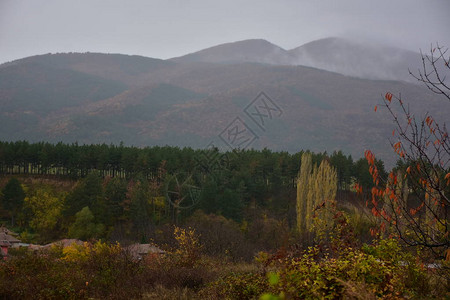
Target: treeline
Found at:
x=129, y=193
x=76, y=161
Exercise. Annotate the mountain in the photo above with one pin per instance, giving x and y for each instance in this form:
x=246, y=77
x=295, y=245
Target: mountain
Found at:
x=357, y=59
x=105, y=98
x=337, y=55
x=255, y=51
x=127, y=69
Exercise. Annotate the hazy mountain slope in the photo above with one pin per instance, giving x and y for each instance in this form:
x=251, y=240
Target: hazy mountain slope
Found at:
x=191, y=104
x=321, y=110
x=128, y=69
x=357, y=59
x=257, y=51
x=338, y=55
x=29, y=92
x=120, y=118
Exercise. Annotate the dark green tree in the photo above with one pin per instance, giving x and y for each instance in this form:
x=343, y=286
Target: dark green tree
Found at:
x=12, y=198
x=88, y=192
x=84, y=227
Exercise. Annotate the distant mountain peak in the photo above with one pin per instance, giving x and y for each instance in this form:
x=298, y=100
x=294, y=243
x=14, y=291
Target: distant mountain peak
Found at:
x=251, y=50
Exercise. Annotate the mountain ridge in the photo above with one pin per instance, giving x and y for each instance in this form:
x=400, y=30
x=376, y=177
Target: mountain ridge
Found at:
x=152, y=102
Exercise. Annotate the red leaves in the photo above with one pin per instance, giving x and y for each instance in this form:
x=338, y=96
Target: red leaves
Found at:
x=429, y=121
x=376, y=107
x=398, y=149
x=447, y=177
x=358, y=188
x=370, y=157
x=388, y=96
x=375, y=212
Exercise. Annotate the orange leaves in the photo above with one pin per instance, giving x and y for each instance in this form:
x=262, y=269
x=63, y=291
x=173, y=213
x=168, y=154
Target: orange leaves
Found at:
x=447, y=177
x=375, y=212
x=429, y=120
x=358, y=188
x=388, y=96
x=408, y=170
x=398, y=149
x=370, y=157
x=375, y=109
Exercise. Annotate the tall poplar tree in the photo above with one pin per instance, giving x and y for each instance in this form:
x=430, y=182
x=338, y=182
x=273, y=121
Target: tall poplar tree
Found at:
x=302, y=190
x=316, y=188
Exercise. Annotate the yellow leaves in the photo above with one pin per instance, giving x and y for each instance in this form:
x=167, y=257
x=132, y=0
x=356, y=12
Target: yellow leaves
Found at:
x=75, y=252
x=78, y=253
x=46, y=206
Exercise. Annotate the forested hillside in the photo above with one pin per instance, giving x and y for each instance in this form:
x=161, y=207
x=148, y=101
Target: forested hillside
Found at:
x=111, y=98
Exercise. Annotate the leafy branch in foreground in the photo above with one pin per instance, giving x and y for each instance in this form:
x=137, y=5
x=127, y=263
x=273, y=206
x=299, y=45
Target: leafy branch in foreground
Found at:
x=423, y=147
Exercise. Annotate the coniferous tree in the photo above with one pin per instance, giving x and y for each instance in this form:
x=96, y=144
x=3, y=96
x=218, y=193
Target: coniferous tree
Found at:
x=12, y=198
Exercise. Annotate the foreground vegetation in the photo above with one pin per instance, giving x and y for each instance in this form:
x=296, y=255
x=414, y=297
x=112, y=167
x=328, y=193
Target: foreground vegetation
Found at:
x=340, y=269
x=245, y=234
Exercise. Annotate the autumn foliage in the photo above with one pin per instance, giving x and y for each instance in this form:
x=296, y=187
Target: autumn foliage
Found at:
x=413, y=203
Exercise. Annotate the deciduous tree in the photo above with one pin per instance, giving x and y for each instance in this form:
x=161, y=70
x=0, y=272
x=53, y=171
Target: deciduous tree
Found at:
x=423, y=146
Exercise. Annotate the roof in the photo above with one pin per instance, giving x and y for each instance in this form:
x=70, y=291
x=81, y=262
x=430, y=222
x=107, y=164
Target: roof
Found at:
x=64, y=243
x=138, y=250
x=3, y=229
x=7, y=240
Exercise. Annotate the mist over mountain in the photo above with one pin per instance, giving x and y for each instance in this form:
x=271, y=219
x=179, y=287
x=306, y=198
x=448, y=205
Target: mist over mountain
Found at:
x=357, y=59
x=193, y=100
x=338, y=55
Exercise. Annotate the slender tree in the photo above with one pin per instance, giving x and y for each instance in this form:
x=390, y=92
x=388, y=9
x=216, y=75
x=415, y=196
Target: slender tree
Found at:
x=302, y=191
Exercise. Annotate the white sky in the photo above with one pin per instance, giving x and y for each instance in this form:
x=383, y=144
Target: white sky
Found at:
x=168, y=28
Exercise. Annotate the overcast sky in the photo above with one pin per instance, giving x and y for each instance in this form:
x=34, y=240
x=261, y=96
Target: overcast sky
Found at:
x=168, y=28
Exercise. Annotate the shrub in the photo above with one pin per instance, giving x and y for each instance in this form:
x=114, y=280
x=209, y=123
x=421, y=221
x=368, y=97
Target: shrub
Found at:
x=76, y=272
x=382, y=270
